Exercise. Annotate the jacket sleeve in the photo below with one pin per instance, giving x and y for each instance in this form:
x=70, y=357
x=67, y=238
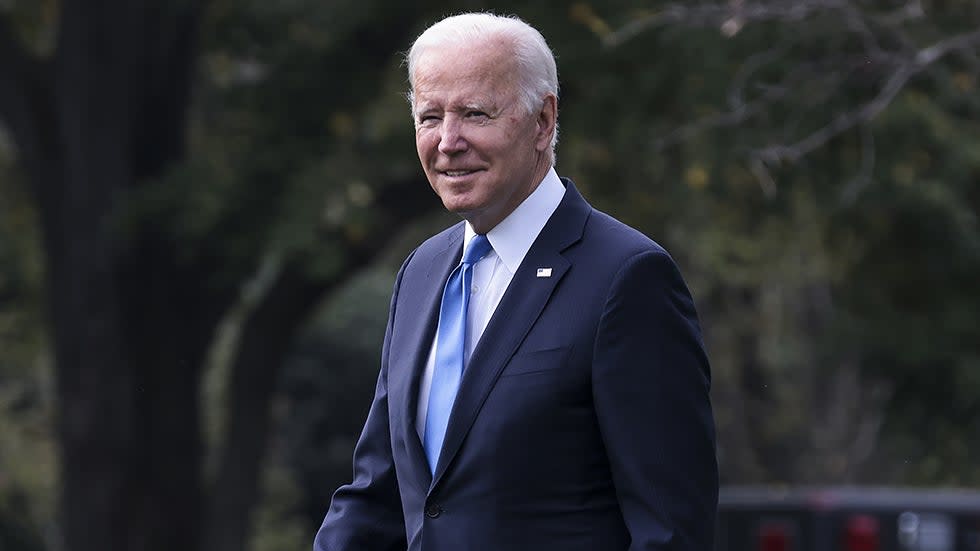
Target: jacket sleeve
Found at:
x=366, y=515
x=651, y=383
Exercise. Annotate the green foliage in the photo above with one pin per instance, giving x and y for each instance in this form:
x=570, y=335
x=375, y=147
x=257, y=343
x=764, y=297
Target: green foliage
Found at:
x=278, y=528
x=34, y=21
x=839, y=298
x=826, y=273
x=330, y=379
x=27, y=488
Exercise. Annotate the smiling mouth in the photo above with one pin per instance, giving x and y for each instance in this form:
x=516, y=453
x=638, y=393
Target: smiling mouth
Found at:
x=457, y=173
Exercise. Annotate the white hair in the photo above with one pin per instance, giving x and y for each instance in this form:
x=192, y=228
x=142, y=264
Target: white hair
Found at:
x=537, y=73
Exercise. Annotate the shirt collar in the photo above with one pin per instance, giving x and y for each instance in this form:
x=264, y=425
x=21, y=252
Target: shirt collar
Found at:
x=514, y=235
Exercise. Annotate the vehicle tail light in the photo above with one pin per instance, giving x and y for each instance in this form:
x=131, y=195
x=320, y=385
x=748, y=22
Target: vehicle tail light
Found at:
x=862, y=533
x=775, y=536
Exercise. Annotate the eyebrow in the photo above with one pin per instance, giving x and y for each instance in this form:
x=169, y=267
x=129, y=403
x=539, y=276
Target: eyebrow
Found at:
x=474, y=106
x=419, y=108
x=484, y=105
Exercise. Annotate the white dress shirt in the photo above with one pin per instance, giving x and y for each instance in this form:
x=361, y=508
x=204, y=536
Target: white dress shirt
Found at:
x=511, y=239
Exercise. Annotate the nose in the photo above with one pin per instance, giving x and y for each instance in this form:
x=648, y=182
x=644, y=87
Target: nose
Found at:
x=451, y=138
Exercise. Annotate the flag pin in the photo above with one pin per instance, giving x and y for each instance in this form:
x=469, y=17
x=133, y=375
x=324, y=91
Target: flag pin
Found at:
x=544, y=272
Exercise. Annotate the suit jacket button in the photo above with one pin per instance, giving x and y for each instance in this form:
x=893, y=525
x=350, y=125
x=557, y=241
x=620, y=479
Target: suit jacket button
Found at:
x=433, y=511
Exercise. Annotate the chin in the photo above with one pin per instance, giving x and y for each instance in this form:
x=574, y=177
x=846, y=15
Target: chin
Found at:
x=458, y=208
x=459, y=203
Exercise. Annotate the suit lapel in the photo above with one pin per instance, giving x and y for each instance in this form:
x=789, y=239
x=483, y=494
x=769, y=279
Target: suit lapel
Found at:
x=520, y=307
x=425, y=305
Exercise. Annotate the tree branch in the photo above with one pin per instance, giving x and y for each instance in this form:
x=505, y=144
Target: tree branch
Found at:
x=736, y=116
x=911, y=10
x=717, y=15
x=938, y=50
x=868, y=111
x=741, y=110
x=903, y=62
x=843, y=122
x=755, y=62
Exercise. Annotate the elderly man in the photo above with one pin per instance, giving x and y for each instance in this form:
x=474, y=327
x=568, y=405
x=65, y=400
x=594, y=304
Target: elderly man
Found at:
x=543, y=382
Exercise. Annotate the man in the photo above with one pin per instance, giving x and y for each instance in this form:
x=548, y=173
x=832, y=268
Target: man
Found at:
x=543, y=383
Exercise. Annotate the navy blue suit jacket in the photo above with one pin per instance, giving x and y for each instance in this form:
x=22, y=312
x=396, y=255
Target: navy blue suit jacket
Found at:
x=582, y=420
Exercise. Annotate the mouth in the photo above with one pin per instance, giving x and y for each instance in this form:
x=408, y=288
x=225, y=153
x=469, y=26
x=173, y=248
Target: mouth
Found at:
x=457, y=173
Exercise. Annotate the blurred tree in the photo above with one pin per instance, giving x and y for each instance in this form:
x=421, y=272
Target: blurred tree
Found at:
x=199, y=196
x=25, y=397
x=327, y=413
x=147, y=247
x=830, y=158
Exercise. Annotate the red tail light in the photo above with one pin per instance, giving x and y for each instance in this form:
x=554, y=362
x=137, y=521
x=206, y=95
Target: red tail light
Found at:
x=862, y=533
x=775, y=536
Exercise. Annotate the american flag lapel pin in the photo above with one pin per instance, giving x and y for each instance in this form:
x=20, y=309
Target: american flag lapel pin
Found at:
x=544, y=272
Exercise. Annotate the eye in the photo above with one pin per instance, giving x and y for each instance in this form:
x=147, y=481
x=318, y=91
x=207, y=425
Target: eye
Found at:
x=427, y=120
x=476, y=114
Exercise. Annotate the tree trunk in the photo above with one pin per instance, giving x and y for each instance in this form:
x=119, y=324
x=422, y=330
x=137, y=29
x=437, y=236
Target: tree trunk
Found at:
x=130, y=322
x=264, y=342
x=127, y=356
x=265, y=338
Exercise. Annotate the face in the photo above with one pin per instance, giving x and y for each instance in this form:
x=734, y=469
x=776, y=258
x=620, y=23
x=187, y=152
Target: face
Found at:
x=482, y=153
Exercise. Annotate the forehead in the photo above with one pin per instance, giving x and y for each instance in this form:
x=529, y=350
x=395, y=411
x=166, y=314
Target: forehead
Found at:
x=470, y=73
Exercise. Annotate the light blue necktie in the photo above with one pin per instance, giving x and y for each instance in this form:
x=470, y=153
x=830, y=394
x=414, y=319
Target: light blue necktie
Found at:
x=450, y=343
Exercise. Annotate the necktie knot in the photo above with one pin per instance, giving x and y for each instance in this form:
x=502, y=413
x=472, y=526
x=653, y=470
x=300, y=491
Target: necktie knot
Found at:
x=478, y=247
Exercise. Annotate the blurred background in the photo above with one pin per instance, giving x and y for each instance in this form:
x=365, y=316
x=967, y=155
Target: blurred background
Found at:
x=203, y=205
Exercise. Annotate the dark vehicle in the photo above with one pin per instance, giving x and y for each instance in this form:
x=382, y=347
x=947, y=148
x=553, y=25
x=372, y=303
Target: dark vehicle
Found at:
x=848, y=519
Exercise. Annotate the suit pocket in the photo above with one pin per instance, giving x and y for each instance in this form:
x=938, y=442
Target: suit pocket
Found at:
x=537, y=361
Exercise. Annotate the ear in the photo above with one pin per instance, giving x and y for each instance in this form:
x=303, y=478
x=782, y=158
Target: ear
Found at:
x=547, y=118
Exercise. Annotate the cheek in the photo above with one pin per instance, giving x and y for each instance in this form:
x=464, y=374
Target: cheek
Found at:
x=424, y=148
